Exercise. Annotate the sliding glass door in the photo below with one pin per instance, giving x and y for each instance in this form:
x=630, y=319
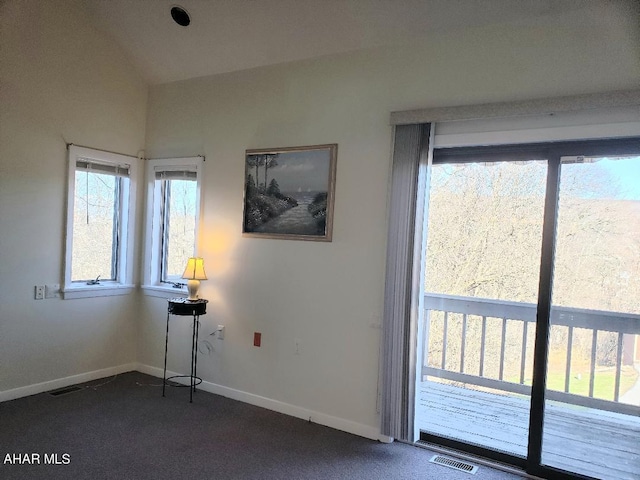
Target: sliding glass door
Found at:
x=532, y=307
x=483, y=256
x=592, y=377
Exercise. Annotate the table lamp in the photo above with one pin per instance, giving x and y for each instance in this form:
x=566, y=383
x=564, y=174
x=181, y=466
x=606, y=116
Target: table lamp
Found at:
x=194, y=273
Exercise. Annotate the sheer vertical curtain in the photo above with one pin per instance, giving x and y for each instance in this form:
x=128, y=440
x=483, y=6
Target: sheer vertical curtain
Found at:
x=402, y=284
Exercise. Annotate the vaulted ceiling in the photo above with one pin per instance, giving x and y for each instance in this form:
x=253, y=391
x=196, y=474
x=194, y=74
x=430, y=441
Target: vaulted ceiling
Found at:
x=230, y=35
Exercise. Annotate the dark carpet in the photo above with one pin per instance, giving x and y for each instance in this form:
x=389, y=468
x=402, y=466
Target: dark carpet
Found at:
x=125, y=429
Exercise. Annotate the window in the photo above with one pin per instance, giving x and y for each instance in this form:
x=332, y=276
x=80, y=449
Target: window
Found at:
x=173, y=212
x=100, y=216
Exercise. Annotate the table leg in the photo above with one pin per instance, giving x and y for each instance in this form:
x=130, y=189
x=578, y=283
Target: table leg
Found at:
x=166, y=344
x=193, y=346
x=195, y=354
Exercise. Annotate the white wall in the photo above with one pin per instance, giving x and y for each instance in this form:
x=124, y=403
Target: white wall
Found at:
x=61, y=81
x=328, y=294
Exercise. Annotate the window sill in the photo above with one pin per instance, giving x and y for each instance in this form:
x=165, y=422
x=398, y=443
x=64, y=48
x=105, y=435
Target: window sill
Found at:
x=163, y=292
x=100, y=290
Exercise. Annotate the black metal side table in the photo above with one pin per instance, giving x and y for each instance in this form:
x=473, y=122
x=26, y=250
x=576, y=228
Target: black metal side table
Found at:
x=184, y=307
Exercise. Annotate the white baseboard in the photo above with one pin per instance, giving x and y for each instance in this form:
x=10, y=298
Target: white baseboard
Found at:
x=65, y=382
x=250, y=398
x=280, y=407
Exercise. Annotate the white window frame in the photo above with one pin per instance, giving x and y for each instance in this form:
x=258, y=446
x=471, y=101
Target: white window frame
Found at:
x=123, y=283
x=153, y=253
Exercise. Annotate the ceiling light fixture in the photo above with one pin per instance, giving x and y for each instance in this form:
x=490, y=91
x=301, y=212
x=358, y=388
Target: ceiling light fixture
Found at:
x=180, y=16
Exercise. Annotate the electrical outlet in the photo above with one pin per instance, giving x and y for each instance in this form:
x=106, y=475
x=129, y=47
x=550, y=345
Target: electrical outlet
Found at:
x=52, y=290
x=39, y=292
x=296, y=346
x=220, y=333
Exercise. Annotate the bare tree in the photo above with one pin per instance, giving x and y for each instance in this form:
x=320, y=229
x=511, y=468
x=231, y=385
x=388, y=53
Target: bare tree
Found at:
x=484, y=240
x=256, y=161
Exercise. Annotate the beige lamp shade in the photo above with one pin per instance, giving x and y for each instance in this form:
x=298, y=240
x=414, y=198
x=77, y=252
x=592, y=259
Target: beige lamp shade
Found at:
x=194, y=273
x=195, y=269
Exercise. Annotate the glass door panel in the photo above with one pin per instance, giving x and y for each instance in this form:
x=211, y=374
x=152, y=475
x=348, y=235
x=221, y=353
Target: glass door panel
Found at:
x=592, y=399
x=482, y=274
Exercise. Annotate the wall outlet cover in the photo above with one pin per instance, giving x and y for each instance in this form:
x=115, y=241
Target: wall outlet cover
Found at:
x=39, y=292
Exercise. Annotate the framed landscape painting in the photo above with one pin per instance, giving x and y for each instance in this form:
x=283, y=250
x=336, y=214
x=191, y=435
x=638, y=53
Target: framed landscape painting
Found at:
x=289, y=192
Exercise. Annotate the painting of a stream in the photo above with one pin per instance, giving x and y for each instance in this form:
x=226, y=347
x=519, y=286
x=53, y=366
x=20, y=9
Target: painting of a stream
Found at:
x=289, y=192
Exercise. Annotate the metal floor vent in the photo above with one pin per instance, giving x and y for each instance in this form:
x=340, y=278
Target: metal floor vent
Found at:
x=64, y=391
x=454, y=463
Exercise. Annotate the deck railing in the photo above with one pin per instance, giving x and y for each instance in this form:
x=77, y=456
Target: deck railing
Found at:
x=482, y=310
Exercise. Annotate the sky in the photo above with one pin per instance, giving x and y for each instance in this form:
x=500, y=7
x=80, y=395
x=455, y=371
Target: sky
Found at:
x=604, y=178
x=627, y=173
x=306, y=170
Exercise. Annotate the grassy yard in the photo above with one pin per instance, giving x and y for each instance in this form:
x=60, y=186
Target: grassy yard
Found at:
x=603, y=386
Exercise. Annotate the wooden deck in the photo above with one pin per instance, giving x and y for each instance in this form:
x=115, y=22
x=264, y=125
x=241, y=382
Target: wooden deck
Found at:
x=603, y=445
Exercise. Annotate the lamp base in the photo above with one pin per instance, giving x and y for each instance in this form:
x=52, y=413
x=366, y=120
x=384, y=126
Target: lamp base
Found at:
x=192, y=287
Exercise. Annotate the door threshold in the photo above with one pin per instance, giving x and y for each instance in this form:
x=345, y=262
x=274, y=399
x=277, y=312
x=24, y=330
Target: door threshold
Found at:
x=475, y=459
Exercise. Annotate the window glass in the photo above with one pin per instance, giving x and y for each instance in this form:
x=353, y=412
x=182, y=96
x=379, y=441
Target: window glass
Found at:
x=95, y=226
x=179, y=226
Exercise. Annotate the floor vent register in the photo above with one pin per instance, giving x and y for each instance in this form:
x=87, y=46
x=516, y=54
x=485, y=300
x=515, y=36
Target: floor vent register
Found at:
x=454, y=463
x=64, y=391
